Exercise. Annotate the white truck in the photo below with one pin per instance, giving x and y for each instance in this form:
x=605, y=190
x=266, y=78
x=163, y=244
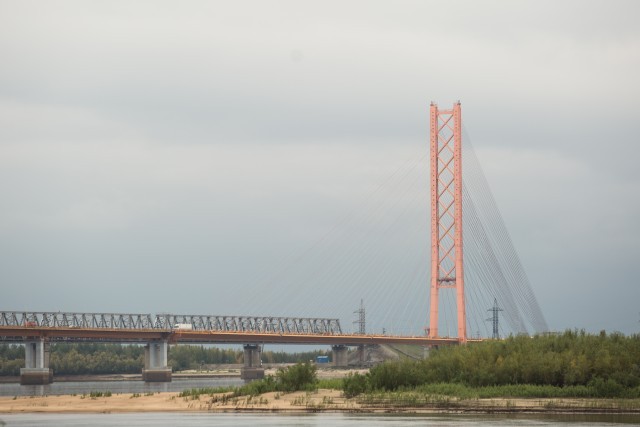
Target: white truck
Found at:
x=183, y=327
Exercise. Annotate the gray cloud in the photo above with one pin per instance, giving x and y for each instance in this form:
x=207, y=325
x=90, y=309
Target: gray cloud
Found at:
x=151, y=147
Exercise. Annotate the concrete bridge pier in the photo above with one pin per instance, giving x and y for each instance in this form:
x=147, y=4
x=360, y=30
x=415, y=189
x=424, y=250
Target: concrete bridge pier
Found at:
x=36, y=370
x=362, y=355
x=155, y=362
x=339, y=355
x=252, y=369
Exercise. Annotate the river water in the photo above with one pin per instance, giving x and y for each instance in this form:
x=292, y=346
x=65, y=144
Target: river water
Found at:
x=86, y=387
x=309, y=420
x=248, y=419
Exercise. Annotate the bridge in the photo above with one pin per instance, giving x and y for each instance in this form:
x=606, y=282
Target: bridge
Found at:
x=497, y=271
x=113, y=327
x=38, y=329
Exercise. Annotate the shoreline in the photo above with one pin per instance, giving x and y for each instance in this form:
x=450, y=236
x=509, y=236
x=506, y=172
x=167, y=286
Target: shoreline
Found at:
x=120, y=377
x=323, y=400
x=232, y=371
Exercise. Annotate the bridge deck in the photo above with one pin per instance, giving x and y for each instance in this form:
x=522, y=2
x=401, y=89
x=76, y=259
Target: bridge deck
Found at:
x=19, y=333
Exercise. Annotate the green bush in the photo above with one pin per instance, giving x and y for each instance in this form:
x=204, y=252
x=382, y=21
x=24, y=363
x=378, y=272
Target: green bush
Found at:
x=606, y=388
x=393, y=375
x=354, y=384
x=254, y=388
x=301, y=376
x=293, y=378
x=95, y=394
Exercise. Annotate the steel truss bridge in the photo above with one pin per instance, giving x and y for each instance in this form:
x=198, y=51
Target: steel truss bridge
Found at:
x=120, y=327
x=168, y=321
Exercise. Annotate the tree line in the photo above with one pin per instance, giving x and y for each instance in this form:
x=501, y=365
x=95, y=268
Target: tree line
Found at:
x=598, y=365
x=99, y=359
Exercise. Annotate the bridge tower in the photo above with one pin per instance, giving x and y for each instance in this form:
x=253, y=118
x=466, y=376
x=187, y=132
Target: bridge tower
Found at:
x=446, y=213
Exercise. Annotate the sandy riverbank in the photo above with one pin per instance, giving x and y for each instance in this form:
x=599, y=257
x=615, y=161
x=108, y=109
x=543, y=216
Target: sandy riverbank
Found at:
x=322, y=400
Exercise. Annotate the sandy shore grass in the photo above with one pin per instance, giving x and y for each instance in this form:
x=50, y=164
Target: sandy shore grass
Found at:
x=322, y=400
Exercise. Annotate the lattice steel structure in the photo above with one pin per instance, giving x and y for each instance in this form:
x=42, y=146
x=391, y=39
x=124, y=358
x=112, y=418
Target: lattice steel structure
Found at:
x=260, y=324
x=446, y=213
x=361, y=319
x=283, y=325
x=77, y=320
x=495, y=310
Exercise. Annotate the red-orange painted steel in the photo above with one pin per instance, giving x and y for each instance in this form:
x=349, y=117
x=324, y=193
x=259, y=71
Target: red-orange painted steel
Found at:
x=435, y=251
x=447, y=269
x=457, y=134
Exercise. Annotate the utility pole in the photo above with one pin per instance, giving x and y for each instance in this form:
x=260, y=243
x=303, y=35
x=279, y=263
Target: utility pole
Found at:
x=494, y=319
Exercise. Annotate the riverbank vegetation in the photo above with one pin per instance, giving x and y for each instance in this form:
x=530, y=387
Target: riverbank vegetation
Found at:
x=360, y=393
x=100, y=359
x=302, y=376
x=572, y=364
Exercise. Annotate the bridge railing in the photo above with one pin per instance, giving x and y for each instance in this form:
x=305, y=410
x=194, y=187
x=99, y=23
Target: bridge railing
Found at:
x=259, y=324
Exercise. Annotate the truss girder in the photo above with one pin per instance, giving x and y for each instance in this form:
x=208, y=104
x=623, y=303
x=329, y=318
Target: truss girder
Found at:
x=302, y=325
x=258, y=324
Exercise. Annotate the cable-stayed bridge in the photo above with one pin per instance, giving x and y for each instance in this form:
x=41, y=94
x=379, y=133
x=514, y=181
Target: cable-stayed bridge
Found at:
x=380, y=255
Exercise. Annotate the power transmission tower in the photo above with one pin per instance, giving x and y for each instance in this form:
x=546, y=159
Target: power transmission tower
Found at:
x=361, y=319
x=446, y=213
x=494, y=319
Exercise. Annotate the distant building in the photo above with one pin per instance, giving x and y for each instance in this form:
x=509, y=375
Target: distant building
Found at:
x=322, y=359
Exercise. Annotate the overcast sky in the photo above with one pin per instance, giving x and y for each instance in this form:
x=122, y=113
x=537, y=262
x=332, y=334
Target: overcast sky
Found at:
x=180, y=156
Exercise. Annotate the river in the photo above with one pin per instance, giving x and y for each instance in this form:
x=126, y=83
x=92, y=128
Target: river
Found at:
x=86, y=387
x=275, y=419
x=310, y=420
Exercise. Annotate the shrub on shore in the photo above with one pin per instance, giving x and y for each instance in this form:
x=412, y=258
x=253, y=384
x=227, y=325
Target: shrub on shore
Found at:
x=572, y=364
x=297, y=377
x=301, y=376
x=355, y=384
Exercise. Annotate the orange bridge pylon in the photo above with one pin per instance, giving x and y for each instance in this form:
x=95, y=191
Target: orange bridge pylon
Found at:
x=446, y=213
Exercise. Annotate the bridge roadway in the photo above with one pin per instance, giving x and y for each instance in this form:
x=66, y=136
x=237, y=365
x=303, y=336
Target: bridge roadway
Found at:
x=189, y=328
x=21, y=333
x=37, y=330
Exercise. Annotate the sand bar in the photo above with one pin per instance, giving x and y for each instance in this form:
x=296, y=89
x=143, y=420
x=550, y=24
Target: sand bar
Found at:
x=322, y=400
